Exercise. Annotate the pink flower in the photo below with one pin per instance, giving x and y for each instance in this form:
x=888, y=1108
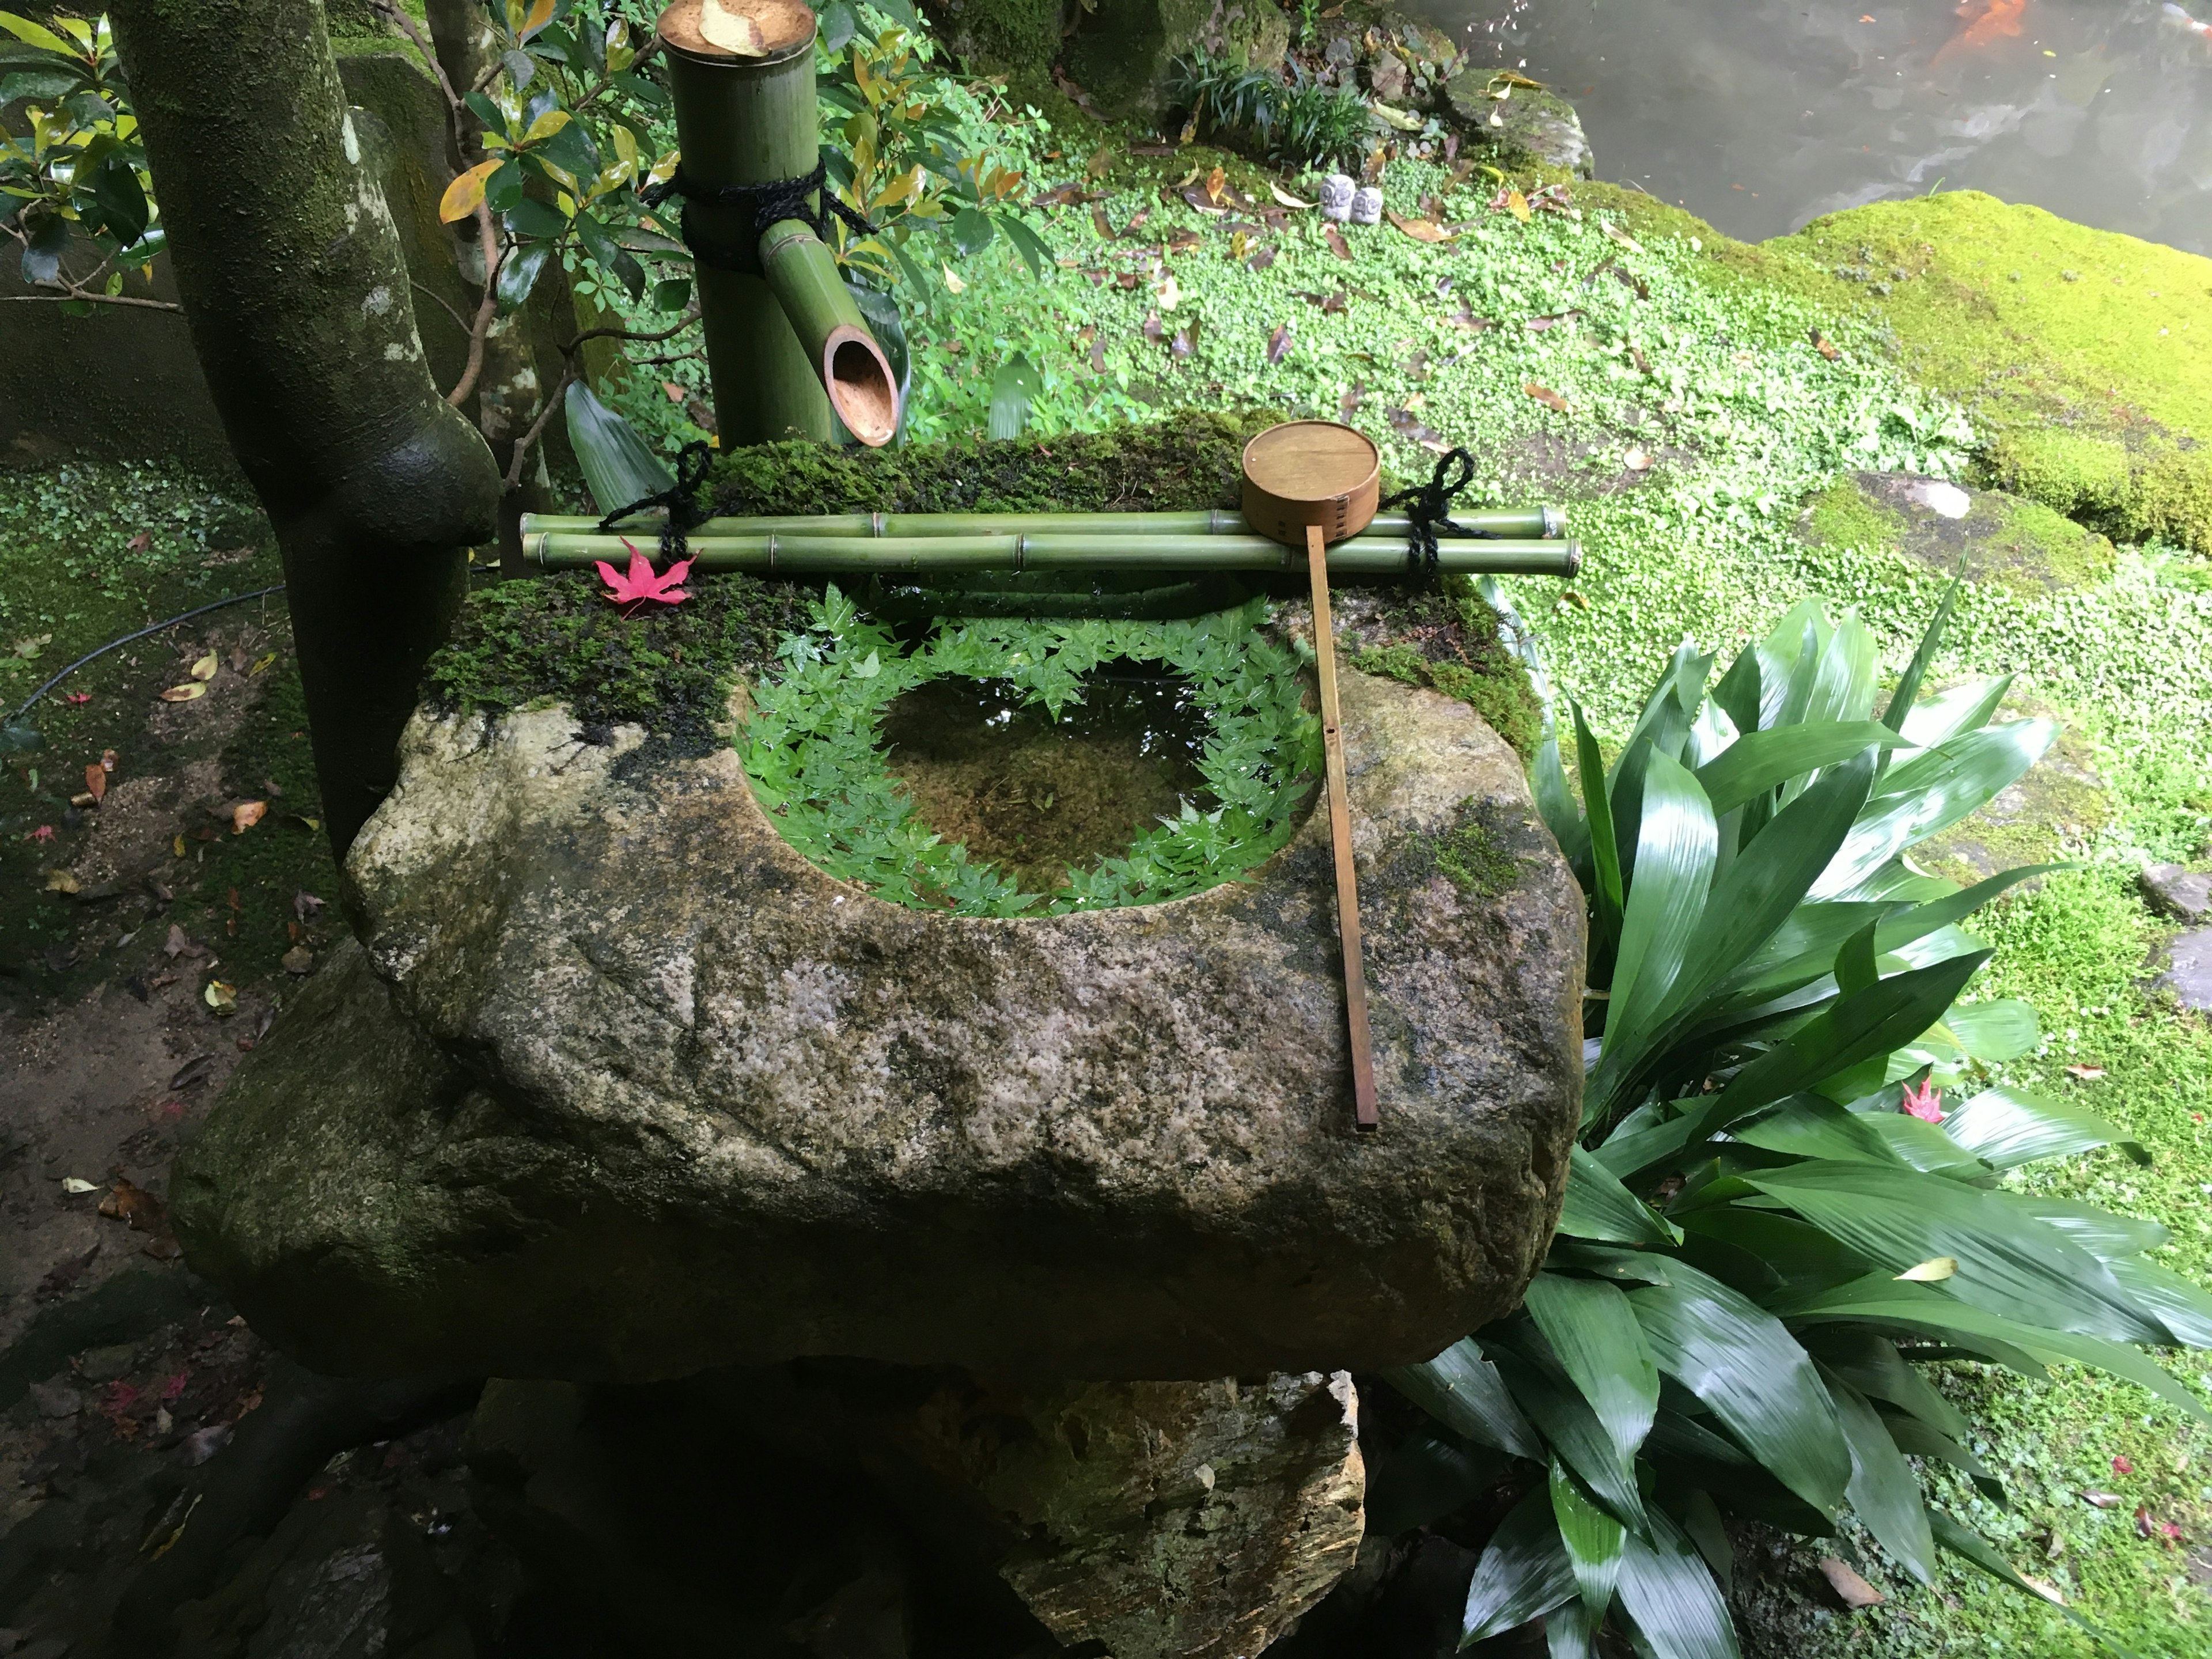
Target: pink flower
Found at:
x=2121, y=1466
x=44, y=832
x=1923, y=1101
x=78, y=696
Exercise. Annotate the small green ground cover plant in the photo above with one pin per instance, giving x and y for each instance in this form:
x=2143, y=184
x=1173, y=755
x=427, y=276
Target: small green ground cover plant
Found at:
x=812, y=748
x=1789, y=1192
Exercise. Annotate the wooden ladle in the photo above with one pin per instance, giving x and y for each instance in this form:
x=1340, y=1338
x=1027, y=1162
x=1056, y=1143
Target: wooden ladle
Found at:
x=1317, y=482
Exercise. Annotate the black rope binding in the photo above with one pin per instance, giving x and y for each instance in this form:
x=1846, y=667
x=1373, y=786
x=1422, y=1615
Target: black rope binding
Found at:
x=1428, y=508
x=769, y=204
x=680, y=498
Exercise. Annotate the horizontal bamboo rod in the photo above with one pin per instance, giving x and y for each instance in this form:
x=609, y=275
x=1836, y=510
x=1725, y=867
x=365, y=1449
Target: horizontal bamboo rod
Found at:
x=1511, y=523
x=811, y=554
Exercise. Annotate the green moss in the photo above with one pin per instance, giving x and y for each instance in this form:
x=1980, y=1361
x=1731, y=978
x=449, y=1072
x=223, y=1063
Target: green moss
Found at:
x=1014, y=37
x=519, y=645
x=1191, y=461
x=1471, y=855
x=2076, y=350
x=1842, y=515
x=1448, y=639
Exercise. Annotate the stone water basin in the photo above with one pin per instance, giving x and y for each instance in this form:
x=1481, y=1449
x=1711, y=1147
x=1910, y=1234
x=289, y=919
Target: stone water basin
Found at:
x=623, y=1087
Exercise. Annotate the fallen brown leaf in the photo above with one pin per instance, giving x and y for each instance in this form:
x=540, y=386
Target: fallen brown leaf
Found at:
x=1101, y=223
x=128, y=1202
x=1101, y=163
x=1637, y=460
x=2101, y=1500
x=1198, y=202
x=297, y=960
x=95, y=780
x=1127, y=279
x=1545, y=396
x=246, y=814
x=1261, y=260
x=1517, y=204
x=62, y=881
x=1825, y=346
x=1185, y=340
x=2087, y=1073
x=1407, y=424
x=1215, y=181
x=1539, y=324
x=1337, y=244
x=1059, y=195
x=1642, y=364
x=1348, y=404
x=1853, y=1591
x=1421, y=230
x=1620, y=236
x=1152, y=330
x=1286, y=198
x=183, y=693
x=1098, y=356
x=204, y=668
x=1278, y=345
x=1466, y=319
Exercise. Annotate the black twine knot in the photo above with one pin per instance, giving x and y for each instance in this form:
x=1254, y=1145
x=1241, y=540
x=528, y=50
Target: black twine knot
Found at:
x=680, y=498
x=769, y=203
x=1428, y=513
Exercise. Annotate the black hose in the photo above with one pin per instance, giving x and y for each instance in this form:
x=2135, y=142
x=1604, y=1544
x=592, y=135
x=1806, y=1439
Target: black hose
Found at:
x=235, y=599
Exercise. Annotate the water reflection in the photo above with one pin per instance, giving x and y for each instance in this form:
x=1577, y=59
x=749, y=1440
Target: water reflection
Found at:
x=1037, y=797
x=1760, y=114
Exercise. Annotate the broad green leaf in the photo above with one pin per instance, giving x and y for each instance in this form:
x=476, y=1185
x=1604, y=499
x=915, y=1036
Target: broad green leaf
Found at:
x=2006, y=1127
x=1796, y=685
x=1599, y=1207
x=1768, y=879
x=1701, y=1521
x=1809, y=1125
x=1843, y=688
x=1763, y=1250
x=1759, y=761
x=1012, y=387
x=1991, y=1031
x=1741, y=1362
x=1922, y=1310
x=1965, y=707
x=1873, y=1366
x=2009, y=1263
x=2182, y=1307
x=1592, y=1538
x=36, y=34
x=1462, y=1389
x=1035, y=253
x=1908, y=683
x=1604, y=847
x=520, y=271
x=2105, y=1235
x=972, y=232
x=1675, y=848
x=1668, y=1592
x=1931, y=792
x=1916, y=1438
x=610, y=256
x=1963, y=1541
x=1736, y=693
x=1885, y=1493
x=1923, y=1147
x=1554, y=1403
x=1599, y=1345
x=1523, y=1575
x=1570, y=1631
x=1885, y=1016
x=618, y=465
x=1555, y=802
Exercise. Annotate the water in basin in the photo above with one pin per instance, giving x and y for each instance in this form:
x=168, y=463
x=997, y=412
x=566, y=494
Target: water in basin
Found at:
x=1038, y=797
x=1758, y=115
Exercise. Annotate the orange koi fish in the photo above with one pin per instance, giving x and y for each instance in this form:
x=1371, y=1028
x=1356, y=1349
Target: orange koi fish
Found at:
x=1986, y=20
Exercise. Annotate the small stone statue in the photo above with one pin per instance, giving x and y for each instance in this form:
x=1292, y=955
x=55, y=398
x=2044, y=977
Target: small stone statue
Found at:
x=1367, y=205
x=1336, y=196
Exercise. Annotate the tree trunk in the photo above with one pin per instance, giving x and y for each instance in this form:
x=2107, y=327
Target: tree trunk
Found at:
x=290, y=271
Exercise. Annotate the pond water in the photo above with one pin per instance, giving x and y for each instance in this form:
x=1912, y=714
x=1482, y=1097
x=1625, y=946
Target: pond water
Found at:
x=1038, y=797
x=1758, y=115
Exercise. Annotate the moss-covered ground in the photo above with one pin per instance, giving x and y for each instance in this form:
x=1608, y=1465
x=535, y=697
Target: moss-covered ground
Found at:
x=89, y=553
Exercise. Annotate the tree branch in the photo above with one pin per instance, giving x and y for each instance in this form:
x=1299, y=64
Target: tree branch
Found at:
x=522, y=444
x=95, y=299
x=487, y=308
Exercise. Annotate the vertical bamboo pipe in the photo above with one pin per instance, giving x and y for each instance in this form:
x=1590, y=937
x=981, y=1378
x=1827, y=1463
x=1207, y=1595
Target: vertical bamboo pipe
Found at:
x=785, y=342
x=1339, y=830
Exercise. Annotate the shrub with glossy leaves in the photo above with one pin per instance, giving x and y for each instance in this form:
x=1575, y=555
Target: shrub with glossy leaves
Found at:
x=1789, y=1191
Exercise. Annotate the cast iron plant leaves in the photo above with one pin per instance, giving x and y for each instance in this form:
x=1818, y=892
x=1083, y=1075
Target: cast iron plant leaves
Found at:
x=1769, y=1209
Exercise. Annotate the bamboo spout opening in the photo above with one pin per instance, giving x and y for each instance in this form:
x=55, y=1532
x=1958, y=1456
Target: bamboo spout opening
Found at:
x=857, y=377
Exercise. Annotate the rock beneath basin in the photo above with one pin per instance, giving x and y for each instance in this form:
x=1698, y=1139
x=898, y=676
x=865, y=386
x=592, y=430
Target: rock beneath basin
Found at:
x=633, y=1090
x=1152, y=1520
x=1530, y=123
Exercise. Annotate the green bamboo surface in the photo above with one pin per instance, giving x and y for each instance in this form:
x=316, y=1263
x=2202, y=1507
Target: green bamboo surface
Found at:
x=1382, y=556
x=1512, y=523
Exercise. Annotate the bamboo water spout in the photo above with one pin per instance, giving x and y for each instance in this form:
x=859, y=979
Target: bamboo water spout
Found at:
x=786, y=346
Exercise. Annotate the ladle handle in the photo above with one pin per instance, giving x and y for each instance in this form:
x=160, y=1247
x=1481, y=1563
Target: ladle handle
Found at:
x=1339, y=830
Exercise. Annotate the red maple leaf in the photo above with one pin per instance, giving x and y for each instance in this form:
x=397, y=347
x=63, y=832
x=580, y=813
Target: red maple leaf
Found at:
x=44, y=832
x=640, y=583
x=1924, y=1102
